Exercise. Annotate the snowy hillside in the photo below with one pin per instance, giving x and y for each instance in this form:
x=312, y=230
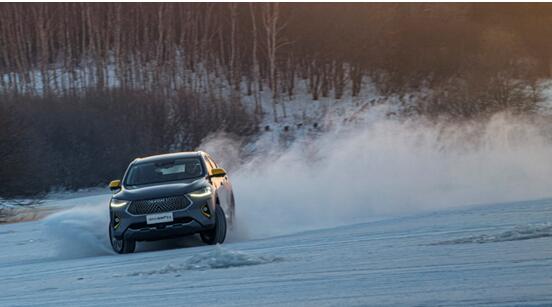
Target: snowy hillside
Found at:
x=477, y=255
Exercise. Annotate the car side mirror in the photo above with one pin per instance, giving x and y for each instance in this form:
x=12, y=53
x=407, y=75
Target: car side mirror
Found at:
x=115, y=185
x=218, y=172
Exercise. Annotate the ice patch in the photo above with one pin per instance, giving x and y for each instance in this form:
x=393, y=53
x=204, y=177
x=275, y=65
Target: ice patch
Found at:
x=527, y=232
x=218, y=258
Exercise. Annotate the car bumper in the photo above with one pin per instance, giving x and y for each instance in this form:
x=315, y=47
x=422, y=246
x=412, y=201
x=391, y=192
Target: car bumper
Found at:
x=185, y=222
x=163, y=232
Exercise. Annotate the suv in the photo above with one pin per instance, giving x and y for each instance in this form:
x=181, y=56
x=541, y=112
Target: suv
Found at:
x=168, y=196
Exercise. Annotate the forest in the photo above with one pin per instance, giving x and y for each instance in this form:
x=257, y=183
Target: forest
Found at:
x=87, y=87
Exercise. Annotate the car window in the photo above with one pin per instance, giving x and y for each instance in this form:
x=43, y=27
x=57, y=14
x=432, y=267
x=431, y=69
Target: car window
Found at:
x=164, y=171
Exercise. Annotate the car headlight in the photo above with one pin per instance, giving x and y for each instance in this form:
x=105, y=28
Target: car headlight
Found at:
x=117, y=203
x=201, y=193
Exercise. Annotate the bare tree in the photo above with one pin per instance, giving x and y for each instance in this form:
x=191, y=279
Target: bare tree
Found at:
x=255, y=62
x=273, y=27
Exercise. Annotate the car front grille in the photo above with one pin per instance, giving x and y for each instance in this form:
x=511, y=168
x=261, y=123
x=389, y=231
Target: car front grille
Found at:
x=158, y=205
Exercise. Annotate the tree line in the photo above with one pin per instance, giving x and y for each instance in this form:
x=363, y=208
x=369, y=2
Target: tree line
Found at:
x=62, y=48
x=86, y=86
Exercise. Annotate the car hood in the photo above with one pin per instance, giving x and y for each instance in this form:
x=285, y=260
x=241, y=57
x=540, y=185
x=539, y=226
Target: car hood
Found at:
x=160, y=190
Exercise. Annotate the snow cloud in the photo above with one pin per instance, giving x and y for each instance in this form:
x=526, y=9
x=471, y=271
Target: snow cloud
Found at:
x=80, y=231
x=383, y=166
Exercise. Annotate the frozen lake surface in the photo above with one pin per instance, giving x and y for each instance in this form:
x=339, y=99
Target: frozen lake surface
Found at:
x=499, y=254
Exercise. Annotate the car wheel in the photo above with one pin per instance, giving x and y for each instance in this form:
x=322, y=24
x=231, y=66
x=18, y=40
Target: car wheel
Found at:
x=217, y=234
x=121, y=246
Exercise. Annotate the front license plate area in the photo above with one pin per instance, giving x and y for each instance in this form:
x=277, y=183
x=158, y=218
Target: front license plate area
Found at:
x=165, y=217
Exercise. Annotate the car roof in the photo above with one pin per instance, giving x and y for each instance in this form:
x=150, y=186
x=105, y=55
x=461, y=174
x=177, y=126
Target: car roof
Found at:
x=175, y=155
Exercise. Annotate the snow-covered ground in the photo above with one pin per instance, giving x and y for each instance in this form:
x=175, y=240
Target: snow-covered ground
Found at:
x=498, y=254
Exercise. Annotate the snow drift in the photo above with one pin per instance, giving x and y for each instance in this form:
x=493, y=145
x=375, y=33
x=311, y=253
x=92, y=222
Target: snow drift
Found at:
x=523, y=232
x=218, y=258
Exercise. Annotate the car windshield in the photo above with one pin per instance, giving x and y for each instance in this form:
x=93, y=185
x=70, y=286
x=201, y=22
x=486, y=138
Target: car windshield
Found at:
x=164, y=171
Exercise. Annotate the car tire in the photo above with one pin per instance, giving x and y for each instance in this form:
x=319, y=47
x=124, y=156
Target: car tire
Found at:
x=217, y=234
x=121, y=246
